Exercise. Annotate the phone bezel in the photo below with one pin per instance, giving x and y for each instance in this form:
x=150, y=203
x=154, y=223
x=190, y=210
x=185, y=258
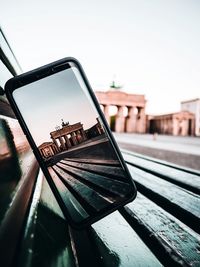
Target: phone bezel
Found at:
x=40, y=73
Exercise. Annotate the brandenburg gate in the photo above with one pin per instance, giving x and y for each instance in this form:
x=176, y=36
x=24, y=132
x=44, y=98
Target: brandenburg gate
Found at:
x=68, y=135
x=63, y=139
x=135, y=121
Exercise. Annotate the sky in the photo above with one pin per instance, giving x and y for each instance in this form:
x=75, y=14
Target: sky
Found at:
x=149, y=47
x=60, y=96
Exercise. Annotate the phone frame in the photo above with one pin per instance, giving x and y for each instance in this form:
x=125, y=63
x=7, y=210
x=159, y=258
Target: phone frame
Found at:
x=43, y=72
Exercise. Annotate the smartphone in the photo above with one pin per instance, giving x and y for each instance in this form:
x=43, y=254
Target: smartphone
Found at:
x=71, y=140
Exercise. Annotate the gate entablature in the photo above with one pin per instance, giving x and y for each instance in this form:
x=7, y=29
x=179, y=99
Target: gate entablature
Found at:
x=65, y=130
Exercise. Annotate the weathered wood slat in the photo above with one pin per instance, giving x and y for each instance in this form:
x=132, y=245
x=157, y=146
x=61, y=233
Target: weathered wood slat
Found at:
x=118, y=245
x=46, y=242
x=77, y=212
x=112, y=171
x=115, y=187
x=91, y=198
x=26, y=247
x=107, y=162
x=84, y=249
x=186, y=180
x=13, y=221
x=162, y=162
x=178, y=201
x=171, y=240
x=52, y=233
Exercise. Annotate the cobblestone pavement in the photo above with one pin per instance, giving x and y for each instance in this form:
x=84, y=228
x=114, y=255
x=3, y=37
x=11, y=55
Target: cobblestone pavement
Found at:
x=184, y=151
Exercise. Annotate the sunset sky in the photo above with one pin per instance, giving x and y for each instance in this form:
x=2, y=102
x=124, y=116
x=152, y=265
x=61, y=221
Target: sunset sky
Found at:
x=150, y=47
x=45, y=102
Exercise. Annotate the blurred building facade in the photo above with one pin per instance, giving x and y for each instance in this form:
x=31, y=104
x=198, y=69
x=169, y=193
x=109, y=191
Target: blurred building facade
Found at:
x=179, y=123
x=185, y=122
x=193, y=106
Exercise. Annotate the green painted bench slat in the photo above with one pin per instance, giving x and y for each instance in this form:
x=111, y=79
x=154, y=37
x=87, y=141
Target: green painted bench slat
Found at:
x=46, y=239
x=180, y=245
x=13, y=221
x=109, y=171
x=180, y=202
x=119, y=245
x=176, y=176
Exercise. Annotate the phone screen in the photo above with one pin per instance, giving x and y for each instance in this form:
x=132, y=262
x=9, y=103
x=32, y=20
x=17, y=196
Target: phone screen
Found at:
x=74, y=144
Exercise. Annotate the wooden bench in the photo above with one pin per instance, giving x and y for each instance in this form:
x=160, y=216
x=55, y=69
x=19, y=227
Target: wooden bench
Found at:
x=160, y=228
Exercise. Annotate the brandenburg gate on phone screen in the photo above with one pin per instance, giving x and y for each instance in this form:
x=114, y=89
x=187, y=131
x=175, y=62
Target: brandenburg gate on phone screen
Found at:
x=63, y=139
x=69, y=136
x=132, y=104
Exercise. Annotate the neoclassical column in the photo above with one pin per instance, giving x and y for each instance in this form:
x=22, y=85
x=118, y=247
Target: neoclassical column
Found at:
x=175, y=127
x=54, y=149
x=106, y=113
x=192, y=127
x=56, y=144
x=185, y=127
x=170, y=126
x=141, y=120
x=61, y=142
x=67, y=142
x=45, y=154
x=42, y=153
x=83, y=134
x=120, y=120
x=161, y=125
x=78, y=136
x=51, y=150
x=131, y=120
x=74, y=140
x=167, y=126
